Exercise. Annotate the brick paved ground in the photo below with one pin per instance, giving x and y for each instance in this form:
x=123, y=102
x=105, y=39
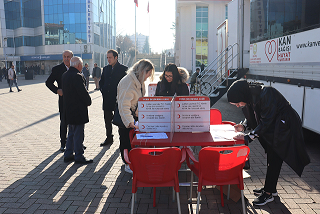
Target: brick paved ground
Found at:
x=34, y=178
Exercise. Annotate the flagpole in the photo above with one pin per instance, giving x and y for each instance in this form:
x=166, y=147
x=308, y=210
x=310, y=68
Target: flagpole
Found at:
x=135, y=33
x=149, y=28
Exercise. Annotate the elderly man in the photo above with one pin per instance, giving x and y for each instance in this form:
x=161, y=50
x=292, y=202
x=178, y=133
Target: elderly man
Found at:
x=56, y=76
x=76, y=100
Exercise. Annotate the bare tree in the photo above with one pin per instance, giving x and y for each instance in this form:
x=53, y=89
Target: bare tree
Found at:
x=124, y=42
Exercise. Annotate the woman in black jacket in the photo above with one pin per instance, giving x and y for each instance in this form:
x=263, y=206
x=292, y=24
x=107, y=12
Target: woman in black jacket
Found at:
x=276, y=125
x=173, y=81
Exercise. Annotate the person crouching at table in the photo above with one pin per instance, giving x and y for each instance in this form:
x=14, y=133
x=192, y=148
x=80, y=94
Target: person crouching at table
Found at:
x=276, y=125
x=130, y=89
x=173, y=81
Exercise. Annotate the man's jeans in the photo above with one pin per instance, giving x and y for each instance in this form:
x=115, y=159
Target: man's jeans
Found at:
x=75, y=141
x=15, y=82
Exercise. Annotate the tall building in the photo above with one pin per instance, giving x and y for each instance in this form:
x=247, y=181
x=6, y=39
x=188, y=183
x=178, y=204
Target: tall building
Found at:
x=196, y=31
x=141, y=41
x=36, y=32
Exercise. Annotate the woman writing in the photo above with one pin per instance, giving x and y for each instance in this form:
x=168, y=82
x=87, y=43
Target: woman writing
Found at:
x=173, y=81
x=276, y=125
x=130, y=89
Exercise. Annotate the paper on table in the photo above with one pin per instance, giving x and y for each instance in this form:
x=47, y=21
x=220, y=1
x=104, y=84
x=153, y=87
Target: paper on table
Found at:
x=223, y=132
x=159, y=135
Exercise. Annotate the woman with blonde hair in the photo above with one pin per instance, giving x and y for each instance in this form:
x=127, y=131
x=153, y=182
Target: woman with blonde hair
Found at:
x=130, y=89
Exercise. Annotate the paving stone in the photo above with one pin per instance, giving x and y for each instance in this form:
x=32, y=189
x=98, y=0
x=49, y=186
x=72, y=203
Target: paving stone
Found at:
x=34, y=179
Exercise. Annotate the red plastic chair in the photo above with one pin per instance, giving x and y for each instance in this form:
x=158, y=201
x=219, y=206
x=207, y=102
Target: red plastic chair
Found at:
x=219, y=166
x=155, y=167
x=215, y=116
x=132, y=133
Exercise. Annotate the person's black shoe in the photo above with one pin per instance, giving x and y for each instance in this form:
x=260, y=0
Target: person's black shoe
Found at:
x=19, y=90
x=69, y=159
x=10, y=91
x=62, y=149
x=108, y=141
x=84, y=147
x=247, y=164
x=258, y=192
x=84, y=161
x=263, y=199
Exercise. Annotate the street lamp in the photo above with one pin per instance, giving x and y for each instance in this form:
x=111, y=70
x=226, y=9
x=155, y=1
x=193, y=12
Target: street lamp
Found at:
x=4, y=50
x=192, y=54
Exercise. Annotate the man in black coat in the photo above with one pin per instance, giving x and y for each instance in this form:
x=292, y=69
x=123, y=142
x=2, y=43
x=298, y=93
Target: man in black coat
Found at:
x=56, y=76
x=111, y=76
x=276, y=125
x=76, y=100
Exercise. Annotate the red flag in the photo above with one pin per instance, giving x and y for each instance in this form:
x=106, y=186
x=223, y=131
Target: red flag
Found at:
x=136, y=1
x=148, y=7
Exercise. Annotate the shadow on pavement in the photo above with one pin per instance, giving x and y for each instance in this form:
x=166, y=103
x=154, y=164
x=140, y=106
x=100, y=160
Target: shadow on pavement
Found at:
x=32, y=124
x=57, y=187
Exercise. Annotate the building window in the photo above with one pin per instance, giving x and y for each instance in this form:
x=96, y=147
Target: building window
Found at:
x=226, y=11
x=65, y=22
x=275, y=18
x=201, y=36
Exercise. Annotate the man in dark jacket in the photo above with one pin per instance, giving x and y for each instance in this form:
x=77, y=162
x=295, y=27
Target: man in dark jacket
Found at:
x=56, y=76
x=276, y=125
x=76, y=100
x=111, y=75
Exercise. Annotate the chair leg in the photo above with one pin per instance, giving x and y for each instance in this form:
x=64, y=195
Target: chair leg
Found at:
x=173, y=194
x=135, y=197
x=243, y=203
x=154, y=197
x=228, y=192
x=191, y=185
x=221, y=194
x=178, y=203
x=198, y=202
x=132, y=203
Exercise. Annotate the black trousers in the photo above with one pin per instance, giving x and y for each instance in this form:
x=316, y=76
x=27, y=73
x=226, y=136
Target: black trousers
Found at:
x=124, y=141
x=108, y=116
x=63, y=130
x=274, y=163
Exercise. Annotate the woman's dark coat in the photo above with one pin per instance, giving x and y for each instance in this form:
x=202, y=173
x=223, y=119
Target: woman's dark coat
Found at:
x=277, y=124
x=167, y=89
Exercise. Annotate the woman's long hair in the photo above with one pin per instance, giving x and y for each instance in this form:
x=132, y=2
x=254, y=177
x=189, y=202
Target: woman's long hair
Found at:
x=141, y=68
x=175, y=73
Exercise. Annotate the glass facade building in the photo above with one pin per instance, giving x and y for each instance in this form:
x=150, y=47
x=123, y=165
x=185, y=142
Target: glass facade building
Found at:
x=87, y=27
x=201, y=35
x=275, y=18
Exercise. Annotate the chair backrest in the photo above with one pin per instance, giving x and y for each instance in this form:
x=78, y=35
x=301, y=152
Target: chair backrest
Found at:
x=222, y=164
x=215, y=116
x=155, y=165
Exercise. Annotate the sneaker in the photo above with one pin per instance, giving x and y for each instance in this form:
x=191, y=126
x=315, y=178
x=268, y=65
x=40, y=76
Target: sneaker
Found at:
x=263, y=199
x=258, y=192
x=127, y=169
x=62, y=149
x=19, y=90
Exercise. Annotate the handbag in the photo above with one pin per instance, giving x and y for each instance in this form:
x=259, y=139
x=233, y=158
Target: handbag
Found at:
x=117, y=118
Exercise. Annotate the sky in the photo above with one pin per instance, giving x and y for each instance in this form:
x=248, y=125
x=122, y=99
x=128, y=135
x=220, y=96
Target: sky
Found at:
x=161, y=15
